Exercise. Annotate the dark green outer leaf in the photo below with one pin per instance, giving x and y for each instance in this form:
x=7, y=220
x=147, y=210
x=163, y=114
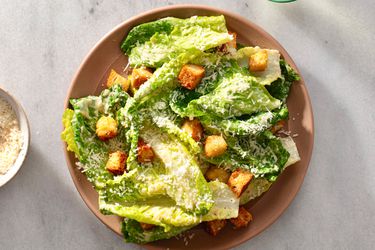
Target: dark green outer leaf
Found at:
x=145, y=31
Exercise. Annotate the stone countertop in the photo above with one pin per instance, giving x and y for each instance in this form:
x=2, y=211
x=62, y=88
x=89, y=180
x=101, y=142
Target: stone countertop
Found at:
x=332, y=42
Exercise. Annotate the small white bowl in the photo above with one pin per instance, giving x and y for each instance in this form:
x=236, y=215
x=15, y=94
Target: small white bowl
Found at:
x=25, y=133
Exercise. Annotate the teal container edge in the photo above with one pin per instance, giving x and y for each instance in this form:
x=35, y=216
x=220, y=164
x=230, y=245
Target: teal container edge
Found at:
x=282, y=1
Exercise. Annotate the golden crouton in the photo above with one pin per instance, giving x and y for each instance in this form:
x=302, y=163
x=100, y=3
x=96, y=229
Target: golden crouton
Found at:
x=230, y=44
x=258, y=61
x=279, y=125
x=116, y=163
x=215, y=226
x=145, y=152
x=193, y=128
x=115, y=78
x=239, y=180
x=243, y=218
x=190, y=75
x=215, y=145
x=216, y=173
x=106, y=128
x=146, y=226
x=139, y=76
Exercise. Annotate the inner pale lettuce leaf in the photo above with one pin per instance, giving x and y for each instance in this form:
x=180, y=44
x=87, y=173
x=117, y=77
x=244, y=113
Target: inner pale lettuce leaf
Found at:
x=163, y=211
x=272, y=71
x=255, y=189
x=195, y=33
x=162, y=116
x=187, y=185
x=290, y=146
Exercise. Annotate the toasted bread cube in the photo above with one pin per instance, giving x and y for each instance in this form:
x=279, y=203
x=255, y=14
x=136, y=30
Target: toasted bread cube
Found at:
x=215, y=145
x=132, y=90
x=115, y=78
x=231, y=44
x=190, y=76
x=146, y=226
x=215, y=226
x=243, y=218
x=279, y=125
x=216, y=173
x=193, y=128
x=106, y=128
x=116, y=163
x=258, y=61
x=239, y=180
x=145, y=152
x=140, y=76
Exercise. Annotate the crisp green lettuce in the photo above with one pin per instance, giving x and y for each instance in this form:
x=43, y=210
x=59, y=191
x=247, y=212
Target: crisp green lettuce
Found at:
x=143, y=32
x=234, y=96
x=163, y=211
x=68, y=134
x=81, y=124
x=138, y=184
x=281, y=87
x=134, y=233
x=262, y=154
x=248, y=126
x=187, y=185
x=195, y=33
x=163, y=117
x=260, y=185
x=226, y=92
x=226, y=206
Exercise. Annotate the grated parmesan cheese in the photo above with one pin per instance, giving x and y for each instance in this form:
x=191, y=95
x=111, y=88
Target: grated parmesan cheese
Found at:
x=10, y=137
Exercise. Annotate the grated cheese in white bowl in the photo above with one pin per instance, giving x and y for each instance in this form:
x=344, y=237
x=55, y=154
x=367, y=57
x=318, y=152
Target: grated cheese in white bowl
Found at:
x=10, y=137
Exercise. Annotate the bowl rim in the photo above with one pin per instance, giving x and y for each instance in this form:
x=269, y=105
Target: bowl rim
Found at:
x=256, y=27
x=26, y=135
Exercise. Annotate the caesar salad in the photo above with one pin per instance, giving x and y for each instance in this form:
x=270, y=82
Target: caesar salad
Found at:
x=188, y=132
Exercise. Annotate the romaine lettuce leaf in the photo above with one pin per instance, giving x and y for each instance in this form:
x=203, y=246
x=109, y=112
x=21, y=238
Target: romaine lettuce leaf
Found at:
x=195, y=33
x=143, y=32
x=138, y=184
x=90, y=151
x=187, y=185
x=68, y=134
x=134, y=233
x=255, y=189
x=163, y=211
x=234, y=96
x=272, y=71
x=280, y=88
x=250, y=126
x=162, y=116
x=262, y=154
x=290, y=146
x=260, y=185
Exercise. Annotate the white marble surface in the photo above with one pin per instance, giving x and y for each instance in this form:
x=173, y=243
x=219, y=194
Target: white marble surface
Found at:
x=43, y=42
